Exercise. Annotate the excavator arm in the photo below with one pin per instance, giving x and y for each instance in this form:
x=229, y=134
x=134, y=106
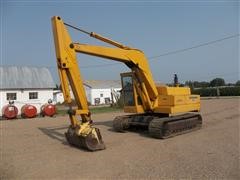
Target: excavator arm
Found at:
x=155, y=105
x=136, y=61
x=133, y=58
x=80, y=134
x=70, y=75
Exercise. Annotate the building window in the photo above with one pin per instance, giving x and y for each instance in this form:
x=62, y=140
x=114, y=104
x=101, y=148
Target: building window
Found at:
x=96, y=101
x=107, y=100
x=101, y=95
x=33, y=95
x=11, y=96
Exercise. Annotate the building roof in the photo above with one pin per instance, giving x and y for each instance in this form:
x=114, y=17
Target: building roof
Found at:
x=102, y=84
x=13, y=77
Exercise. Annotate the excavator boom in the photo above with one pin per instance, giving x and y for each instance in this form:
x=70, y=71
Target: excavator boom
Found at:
x=154, y=105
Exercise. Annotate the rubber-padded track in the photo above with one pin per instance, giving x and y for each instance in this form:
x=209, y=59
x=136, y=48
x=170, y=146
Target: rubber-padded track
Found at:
x=158, y=126
x=120, y=123
x=171, y=126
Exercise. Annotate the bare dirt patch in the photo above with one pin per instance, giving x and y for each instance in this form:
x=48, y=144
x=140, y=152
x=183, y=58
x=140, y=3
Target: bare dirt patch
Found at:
x=37, y=149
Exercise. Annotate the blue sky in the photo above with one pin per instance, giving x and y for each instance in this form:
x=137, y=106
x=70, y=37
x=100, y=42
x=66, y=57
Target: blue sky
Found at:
x=156, y=27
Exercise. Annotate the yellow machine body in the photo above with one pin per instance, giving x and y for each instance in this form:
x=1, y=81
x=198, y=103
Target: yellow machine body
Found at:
x=171, y=100
x=141, y=95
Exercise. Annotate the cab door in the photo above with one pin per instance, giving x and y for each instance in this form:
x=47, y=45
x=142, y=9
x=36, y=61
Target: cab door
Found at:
x=132, y=102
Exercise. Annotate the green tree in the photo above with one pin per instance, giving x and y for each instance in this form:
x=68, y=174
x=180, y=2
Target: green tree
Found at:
x=238, y=83
x=197, y=84
x=189, y=84
x=217, y=82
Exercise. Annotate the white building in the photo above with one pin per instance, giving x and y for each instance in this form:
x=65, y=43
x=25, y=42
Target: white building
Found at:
x=97, y=91
x=102, y=91
x=25, y=85
x=58, y=97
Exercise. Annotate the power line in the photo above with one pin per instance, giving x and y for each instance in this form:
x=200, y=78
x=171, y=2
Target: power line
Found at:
x=194, y=47
x=152, y=58
x=173, y=52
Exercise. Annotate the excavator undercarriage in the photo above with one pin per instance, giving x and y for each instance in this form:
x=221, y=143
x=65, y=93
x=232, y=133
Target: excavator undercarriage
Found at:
x=159, y=125
x=167, y=119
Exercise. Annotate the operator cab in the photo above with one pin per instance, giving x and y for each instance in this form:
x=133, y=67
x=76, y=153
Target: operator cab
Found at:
x=132, y=102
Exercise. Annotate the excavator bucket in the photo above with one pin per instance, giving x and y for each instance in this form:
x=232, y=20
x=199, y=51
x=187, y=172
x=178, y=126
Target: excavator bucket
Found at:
x=90, y=139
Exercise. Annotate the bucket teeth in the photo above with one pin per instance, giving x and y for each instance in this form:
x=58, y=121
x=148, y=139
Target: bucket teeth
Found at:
x=91, y=141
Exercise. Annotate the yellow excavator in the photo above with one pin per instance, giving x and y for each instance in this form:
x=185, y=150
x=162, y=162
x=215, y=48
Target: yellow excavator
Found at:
x=165, y=111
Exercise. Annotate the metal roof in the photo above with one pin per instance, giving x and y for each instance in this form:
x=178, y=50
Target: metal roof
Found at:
x=103, y=84
x=13, y=77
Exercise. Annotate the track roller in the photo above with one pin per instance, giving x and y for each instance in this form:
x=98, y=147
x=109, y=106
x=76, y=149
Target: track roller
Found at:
x=120, y=123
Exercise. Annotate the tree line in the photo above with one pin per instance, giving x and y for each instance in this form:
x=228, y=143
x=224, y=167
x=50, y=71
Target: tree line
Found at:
x=217, y=82
x=216, y=87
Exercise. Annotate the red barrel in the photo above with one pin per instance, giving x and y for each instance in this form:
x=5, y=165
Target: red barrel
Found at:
x=9, y=111
x=48, y=110
x=28, y=111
